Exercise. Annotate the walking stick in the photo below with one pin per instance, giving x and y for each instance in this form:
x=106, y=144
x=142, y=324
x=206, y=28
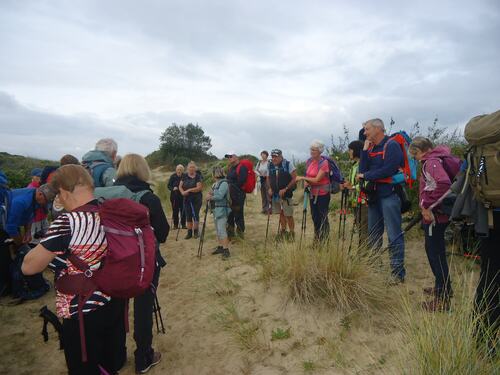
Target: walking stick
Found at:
x=346, y=205
x=202, y=235
x=178, y=226
x=357, y=220
x=410, y=225
x=342, y=195
x=269, y=208
x=304, y=218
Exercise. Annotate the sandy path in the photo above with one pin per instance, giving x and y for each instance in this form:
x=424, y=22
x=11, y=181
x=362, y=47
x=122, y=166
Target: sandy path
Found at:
x=192, y=294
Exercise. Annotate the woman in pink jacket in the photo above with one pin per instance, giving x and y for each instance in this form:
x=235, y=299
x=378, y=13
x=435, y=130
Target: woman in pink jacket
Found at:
x=434, y=185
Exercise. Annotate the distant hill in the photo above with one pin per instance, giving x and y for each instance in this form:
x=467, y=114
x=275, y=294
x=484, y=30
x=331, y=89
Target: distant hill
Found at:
x=18, y=168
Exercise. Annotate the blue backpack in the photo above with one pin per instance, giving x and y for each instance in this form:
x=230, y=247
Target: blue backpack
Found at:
x=4, y=199
x=96, y=169
x=335, y=175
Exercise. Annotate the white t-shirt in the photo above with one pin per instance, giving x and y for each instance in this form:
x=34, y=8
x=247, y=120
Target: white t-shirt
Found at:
x=262, y=168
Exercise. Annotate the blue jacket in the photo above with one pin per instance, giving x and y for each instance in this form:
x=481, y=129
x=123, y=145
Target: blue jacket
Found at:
x=376, y=166
x=21, y=209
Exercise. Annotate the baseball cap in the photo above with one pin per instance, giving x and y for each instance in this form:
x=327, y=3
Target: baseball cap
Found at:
x=37, y=172
x=276, y=152
x=229, y=154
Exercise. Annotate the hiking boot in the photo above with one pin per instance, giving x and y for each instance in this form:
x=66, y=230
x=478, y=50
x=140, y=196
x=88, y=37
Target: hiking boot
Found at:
x=154, y=361
x=184, y=227
x=176, y=227
x=225, y=253
x=189, y=234
x=431, y=291
x=218, y=250
x=290, y=236
x=395, y=281
x=437, y=305
x=196, y=234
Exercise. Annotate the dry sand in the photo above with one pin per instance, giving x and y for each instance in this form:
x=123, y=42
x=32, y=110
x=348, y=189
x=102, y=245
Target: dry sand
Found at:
x=196, y=295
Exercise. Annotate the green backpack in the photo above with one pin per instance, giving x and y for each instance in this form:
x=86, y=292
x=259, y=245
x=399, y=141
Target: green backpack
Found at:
x=118, y=191
x=483, y=134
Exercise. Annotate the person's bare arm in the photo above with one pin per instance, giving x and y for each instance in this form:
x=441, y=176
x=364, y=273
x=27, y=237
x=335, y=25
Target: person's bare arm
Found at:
x=37, y=260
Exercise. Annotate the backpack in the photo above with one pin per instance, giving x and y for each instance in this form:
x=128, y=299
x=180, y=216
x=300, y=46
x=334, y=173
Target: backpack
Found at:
x=26, y=287
x=451, y=165
x=216, y=186
x=128, y=266
x=283, y=178
x=118, y=191
x=408, y=173
x=4, y=199
x=249, y=184
x=96, y=168
x=335, y=175
x=483, y=134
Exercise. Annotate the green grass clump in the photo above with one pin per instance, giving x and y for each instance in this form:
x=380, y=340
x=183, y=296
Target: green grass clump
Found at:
x=280, y=334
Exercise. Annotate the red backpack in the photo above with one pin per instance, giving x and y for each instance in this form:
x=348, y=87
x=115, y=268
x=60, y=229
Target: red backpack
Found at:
x=128, y=266
x=249, y=184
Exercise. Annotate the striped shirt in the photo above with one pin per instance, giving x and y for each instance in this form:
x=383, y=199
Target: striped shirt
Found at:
x=77, y=233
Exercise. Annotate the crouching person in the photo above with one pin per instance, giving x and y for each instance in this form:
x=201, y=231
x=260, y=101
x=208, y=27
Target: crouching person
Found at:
x=219, y=203
x=78, y=235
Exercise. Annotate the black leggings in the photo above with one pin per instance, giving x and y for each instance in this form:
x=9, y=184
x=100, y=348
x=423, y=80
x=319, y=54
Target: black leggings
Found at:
x=105, y=340
x=192, y=206
x=177, y=203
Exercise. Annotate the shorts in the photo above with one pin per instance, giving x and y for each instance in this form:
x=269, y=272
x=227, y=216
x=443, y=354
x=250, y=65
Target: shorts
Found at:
x=220, y=227
x=287, y=206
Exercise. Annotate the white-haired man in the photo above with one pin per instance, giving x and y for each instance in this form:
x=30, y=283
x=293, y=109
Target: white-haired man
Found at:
x=100, y=162
x=381, y=159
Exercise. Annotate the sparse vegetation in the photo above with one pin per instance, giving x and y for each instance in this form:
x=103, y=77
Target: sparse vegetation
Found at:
x=446, y=343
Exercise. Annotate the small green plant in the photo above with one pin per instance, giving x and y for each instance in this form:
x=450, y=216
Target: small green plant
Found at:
x=308, y=366
x=280, y=334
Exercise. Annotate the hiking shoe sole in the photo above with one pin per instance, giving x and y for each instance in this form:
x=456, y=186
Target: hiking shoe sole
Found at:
x=154, y=362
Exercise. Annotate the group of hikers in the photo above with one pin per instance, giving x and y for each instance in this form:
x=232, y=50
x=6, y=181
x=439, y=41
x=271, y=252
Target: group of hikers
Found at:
x=107, y=224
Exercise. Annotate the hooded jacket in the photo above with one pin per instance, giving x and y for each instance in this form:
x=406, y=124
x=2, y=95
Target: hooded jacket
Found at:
x=106, y=176
x=434, y=181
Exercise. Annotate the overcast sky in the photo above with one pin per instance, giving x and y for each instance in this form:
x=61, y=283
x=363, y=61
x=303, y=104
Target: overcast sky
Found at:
x=253, y=74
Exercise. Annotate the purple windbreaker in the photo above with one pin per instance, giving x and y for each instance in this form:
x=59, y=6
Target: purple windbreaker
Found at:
x=434, y=181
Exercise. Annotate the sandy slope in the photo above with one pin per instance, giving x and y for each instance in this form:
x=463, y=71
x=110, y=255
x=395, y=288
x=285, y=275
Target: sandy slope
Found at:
x=196, y=296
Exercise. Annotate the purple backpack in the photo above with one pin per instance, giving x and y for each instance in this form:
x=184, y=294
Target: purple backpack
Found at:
x=451, y=165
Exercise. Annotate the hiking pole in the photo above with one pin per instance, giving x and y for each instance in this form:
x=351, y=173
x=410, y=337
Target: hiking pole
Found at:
x=157, y=310
x=304, y=218
x=408, y=227
x=346, y=204
x=183, y=212
x=269, y=208
x=341, y=212
x=279, y=224
x=356, y=222
x=202, y=234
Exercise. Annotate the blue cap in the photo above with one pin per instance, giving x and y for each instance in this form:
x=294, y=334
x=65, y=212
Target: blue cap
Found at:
x=36, y=172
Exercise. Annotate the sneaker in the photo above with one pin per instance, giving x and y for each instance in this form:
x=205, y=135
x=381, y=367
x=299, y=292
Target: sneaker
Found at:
x=218, y=250
x=156, y=359
x=225, y=253
x=436, y=305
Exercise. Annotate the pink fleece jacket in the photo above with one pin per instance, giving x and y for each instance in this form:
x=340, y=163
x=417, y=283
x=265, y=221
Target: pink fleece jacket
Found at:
x=434, y=181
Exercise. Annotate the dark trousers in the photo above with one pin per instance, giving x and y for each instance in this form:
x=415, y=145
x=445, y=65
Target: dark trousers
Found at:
x=5, y=262
x=177, y=203
x=435, y=248
x=263, y=195
x=105, y=340
x=143, y=325
x=237, y=216
x=319, y=213
x=488, y=289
